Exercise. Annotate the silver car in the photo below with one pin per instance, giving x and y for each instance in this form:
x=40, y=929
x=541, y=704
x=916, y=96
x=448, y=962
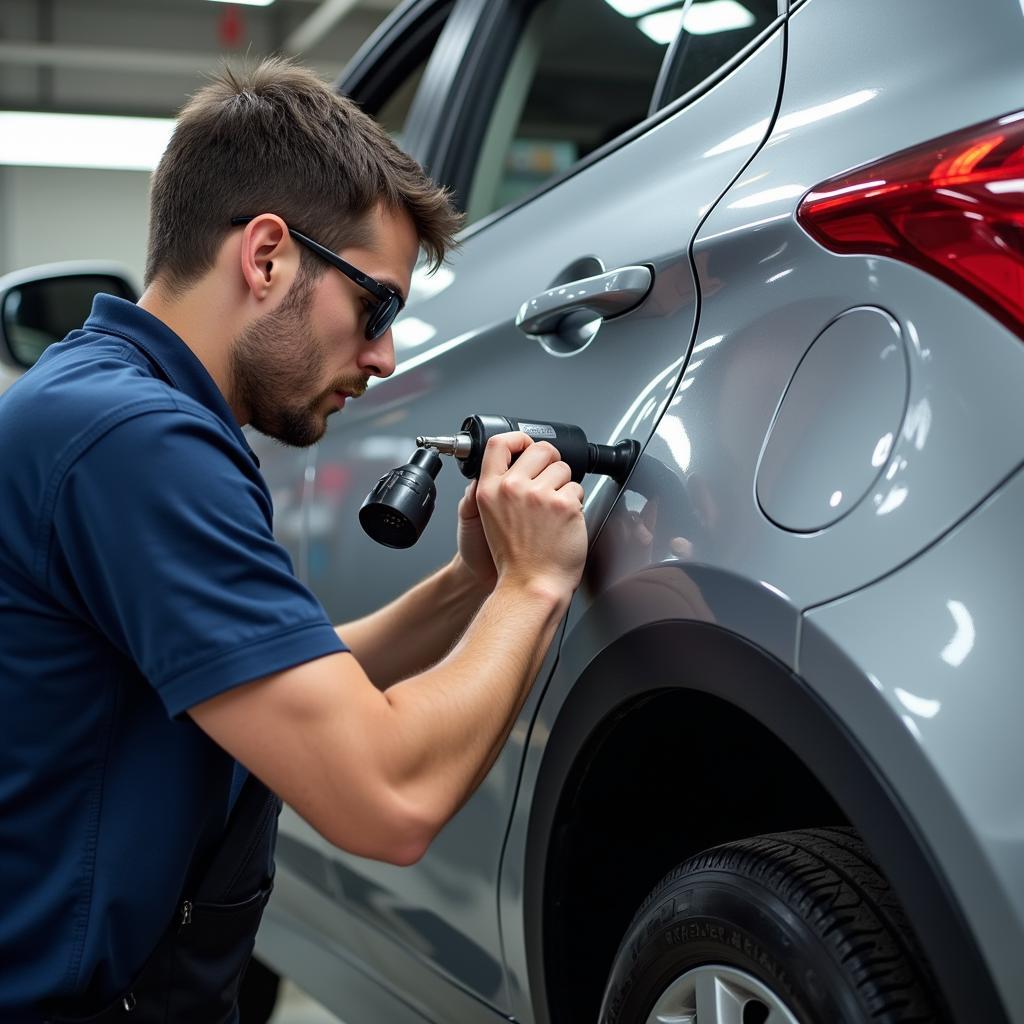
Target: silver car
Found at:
x=770, y=771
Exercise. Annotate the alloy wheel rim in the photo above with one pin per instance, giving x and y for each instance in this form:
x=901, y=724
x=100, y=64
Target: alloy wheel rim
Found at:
x=717, y=994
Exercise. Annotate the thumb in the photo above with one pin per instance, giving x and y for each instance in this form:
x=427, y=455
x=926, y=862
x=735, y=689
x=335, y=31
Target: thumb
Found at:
x=467, y=506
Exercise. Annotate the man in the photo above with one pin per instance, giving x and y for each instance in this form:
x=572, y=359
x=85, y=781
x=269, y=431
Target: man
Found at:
x=152, y=635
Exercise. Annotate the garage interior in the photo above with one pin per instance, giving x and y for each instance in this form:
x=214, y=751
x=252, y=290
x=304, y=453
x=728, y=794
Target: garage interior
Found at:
x=127, y=58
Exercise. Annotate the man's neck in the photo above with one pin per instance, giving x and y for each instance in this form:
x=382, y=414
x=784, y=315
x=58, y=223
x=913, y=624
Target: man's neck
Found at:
x=201, y=320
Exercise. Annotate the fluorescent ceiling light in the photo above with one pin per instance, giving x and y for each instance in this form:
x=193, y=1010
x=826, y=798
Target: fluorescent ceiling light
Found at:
x=701, y=19
x=634, y=8
x=248, y=3
x=83, y=140
x=662, y=27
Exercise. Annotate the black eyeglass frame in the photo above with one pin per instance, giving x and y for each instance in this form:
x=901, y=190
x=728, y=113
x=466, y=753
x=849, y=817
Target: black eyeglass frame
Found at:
x=389, y=303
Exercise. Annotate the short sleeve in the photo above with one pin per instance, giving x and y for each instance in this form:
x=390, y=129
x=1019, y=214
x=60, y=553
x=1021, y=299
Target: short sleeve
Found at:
x=162, y=536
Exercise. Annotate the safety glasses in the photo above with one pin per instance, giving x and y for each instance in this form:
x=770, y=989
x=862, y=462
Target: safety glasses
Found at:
x=389, y=302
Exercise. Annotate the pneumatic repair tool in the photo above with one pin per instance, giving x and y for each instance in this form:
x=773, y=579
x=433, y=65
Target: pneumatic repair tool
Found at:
x=398, y=508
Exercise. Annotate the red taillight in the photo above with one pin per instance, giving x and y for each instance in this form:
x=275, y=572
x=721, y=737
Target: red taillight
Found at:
x=953, y=207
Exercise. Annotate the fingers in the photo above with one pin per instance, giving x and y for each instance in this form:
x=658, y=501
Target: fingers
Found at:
x=573, y=489
x=531, y=512
x=468, y=508
x=555, y=476
x=501, y=450
x=518, y=454
x=534, y=460
x=515, y=462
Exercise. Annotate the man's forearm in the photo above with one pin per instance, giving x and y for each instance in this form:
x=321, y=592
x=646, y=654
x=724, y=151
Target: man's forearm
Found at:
x=452, y=720
x=380, y=772
x=418, y=628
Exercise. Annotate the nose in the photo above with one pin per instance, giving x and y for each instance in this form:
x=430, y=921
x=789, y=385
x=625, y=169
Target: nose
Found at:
x=377, y=357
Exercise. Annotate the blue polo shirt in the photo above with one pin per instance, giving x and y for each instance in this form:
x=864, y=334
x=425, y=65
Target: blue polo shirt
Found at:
x=138, y=577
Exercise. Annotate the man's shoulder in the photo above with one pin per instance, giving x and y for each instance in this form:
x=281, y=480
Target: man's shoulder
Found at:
x=86, y=387
x=77, y=382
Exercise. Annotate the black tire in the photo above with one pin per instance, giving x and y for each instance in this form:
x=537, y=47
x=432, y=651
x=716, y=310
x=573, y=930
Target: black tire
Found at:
x=258, y=994
x=807, y=914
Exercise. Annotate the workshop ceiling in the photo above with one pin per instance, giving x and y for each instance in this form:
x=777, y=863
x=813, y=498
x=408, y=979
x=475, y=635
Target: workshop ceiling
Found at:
x=146, y=56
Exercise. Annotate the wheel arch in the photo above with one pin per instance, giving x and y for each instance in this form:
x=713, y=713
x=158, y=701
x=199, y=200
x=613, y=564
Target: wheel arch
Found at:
x=630, y=697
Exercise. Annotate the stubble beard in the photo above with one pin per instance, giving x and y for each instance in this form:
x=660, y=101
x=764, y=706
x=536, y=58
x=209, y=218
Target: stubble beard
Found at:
x=275, y=359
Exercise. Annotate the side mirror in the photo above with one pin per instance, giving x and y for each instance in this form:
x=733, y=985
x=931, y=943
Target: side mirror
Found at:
x=40, y=305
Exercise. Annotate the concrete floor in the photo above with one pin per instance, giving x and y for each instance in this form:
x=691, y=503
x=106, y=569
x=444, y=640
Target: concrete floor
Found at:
x=295, y=1007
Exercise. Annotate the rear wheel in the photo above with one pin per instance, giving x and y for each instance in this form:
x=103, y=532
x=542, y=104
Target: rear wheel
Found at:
x=793, y=928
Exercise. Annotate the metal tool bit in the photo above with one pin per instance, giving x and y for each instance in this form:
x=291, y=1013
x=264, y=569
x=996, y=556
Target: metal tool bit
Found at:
x=459, y=445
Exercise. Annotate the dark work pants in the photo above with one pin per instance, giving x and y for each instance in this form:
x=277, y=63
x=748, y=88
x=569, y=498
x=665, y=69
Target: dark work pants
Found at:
x=195, y=971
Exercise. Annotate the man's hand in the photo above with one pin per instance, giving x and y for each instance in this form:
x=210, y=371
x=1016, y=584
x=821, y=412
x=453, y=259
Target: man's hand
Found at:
x=532, y=513
x=473, y=549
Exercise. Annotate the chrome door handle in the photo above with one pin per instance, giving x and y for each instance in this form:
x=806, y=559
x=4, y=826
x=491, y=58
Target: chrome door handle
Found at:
x=606, y=295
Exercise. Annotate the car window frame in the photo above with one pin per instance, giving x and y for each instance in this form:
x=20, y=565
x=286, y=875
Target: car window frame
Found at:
x=463, y=76
x=485, y=63
x=672, y=57
x=388, y=56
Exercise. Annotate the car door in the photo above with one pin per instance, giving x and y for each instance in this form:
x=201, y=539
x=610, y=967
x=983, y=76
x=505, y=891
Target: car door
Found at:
x=582, y=138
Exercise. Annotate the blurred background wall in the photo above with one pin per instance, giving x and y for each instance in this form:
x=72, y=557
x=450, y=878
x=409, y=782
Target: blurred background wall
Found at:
x=63, y=213
x=138, y=58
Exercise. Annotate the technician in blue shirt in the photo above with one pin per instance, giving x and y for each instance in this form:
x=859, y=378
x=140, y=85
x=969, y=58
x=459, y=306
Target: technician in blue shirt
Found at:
x=152, y=633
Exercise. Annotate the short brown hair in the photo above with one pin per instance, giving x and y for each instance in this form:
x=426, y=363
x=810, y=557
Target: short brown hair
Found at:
x=274, y=138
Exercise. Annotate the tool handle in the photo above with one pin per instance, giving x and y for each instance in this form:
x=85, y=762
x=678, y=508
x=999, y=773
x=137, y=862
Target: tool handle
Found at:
x=581, y=455
x=570, y=441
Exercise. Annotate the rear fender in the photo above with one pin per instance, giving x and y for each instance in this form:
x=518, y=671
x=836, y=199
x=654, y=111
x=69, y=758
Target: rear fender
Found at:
x=589, y=691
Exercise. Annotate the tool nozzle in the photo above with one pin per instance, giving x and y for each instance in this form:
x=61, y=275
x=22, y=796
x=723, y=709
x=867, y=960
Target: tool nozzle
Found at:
x=460, y=445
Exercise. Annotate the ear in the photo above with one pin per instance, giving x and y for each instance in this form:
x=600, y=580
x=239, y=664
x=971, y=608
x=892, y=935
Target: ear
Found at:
x=269, y=259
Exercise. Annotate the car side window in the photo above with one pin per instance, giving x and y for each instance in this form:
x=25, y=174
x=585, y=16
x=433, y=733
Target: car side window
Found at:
x=584, y=71
x=580, y=74
x=394, y=111
x=709, y=34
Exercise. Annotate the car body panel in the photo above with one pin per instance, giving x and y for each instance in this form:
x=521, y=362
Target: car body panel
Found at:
x=328, y=951
x=767, y=291
x=685, y=543
x=924, y=667
x=445, y=911
x=651, y=665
